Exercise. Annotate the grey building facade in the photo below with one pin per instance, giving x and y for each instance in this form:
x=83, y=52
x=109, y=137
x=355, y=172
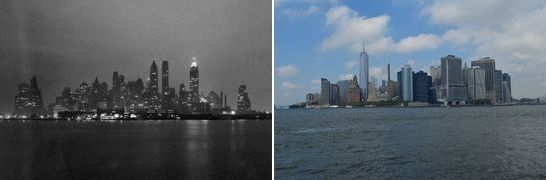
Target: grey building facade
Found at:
x=453, y=87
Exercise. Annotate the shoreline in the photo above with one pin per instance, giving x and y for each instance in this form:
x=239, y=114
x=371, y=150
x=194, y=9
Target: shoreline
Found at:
x=218, y=117
x=398, y=106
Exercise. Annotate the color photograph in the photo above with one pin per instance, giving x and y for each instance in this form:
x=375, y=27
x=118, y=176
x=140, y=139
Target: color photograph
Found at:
x=418, y=89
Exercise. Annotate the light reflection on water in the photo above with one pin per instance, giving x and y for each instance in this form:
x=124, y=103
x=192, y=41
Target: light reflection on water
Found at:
x=135, y=149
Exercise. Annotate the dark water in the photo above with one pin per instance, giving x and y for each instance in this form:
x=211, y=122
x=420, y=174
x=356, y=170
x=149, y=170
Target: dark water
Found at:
x=135, y=149
x=409, y=143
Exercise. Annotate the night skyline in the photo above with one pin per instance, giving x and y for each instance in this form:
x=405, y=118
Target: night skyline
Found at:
x=65, y=43
x=130, y=97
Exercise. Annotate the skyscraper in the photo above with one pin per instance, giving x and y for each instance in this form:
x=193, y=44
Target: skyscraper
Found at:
x=488, y=64
x=183, y=98
x=400, y=93
x=392, y=89
x=168, y=95
x=507, y=82
x=364, y=72
x=115, y=81
x=436, y=74
x=372, y=92
x=334, y=94
x=343, y=90
x=475, y=83
x=28, y=101
x=152, y=91
x=194, y=82
x=453, y=88
x=407, y=83
x=324, y=91
x=154, y=82
x=243, y=102
x=215, y=102
x=353, y=93
x=388, y=72
x=422, y=83
x=165, y=78
x=499, y=93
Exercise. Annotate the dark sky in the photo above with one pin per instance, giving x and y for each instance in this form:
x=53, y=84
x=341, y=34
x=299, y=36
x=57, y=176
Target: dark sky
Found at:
x=66, y=42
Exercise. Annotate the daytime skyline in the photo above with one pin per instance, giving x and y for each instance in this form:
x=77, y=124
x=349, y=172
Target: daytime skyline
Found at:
x=315, y=39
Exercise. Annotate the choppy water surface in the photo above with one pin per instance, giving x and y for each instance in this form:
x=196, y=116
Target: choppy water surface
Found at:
x=402, y=143
x=135, y=149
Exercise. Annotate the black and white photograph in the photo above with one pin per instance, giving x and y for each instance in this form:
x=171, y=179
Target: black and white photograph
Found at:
x=136, y=89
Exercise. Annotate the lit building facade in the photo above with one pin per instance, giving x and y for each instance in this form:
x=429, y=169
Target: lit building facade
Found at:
x=243, y=102
x=152, y=92
x=194, y=83
x=28, y=101
x=165, y=77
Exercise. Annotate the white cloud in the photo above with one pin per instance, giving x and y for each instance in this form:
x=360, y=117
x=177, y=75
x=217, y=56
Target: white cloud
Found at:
x=419, y=42
x=296, y=13
x=283, y=3
x=351, y=64
x=477, y=13
x=287, y=70
x=315, y=81
x=289, y=85
x=512, y=32
x=352, y=30
x=346, y=76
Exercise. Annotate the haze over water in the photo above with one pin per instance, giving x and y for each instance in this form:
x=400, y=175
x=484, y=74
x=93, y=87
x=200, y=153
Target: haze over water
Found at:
x=463, y=142
x=194, y=149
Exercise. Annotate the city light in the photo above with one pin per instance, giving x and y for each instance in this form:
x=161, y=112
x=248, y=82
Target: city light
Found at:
x=96, y=101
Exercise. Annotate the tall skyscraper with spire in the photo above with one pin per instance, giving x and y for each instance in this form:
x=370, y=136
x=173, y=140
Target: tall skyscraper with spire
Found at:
x=194, y=82
x=364, y=72
x=165, y=77
x=152, y=93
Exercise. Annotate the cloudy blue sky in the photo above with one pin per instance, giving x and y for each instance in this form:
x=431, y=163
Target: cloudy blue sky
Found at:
x=322, y=38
